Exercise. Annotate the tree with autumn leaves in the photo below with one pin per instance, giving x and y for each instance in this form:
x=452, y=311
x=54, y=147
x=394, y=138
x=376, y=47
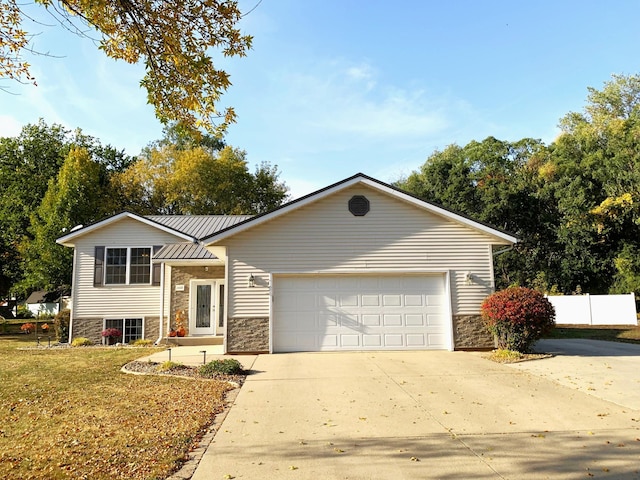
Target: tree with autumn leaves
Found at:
x=174, y=40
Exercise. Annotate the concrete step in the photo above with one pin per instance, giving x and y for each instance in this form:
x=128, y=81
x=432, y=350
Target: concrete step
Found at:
x=194, y=341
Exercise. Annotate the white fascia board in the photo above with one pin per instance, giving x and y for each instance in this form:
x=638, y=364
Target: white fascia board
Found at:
x=313, y=197
x=67, y=240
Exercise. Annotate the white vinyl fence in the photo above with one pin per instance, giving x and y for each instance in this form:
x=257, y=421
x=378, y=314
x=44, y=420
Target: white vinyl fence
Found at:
x=595, y=309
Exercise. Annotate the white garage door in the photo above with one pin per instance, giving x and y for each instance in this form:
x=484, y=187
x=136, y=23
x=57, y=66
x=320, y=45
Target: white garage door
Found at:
x=344, y=312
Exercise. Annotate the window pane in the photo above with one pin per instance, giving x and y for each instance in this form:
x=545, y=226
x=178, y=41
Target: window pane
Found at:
x=116, y=266
x=113, y=323
x=132, y=329
x=140, y=265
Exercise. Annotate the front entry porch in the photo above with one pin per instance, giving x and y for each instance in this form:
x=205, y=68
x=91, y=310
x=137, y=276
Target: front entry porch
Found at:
x=194, y=340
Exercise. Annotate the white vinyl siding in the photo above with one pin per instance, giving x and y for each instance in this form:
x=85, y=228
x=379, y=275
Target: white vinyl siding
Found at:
x=324, y=237
x=117, y=301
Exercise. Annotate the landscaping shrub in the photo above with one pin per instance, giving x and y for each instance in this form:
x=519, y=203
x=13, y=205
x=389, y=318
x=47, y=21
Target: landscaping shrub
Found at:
x=518, y=317
x=228, y=366
x=81, y=342
x=168, y=365
x=61, y=325
x=142, y=342
x=23, y=312
x=28, y=328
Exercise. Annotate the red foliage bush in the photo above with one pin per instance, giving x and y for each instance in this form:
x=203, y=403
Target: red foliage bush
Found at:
x=517, y=317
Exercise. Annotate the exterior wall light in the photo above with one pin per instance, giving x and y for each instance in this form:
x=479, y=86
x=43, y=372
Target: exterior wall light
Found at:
x=252, y=281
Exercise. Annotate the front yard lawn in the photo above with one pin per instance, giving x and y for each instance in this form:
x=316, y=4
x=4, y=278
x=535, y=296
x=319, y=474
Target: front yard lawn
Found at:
x=628, y=334
x=71, y=413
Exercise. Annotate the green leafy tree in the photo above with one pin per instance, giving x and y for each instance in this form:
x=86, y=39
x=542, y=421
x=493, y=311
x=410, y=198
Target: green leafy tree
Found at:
x=75, y=197
x=27, y=163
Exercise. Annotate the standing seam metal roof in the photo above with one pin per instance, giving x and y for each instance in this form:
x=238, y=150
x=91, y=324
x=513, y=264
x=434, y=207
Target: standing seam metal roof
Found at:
x=198, y=226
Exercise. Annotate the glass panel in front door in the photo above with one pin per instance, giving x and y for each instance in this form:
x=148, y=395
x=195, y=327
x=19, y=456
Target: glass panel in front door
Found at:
x=203, y=310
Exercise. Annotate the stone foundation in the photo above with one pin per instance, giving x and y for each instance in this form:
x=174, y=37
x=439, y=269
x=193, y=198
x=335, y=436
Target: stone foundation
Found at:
x=470, y=333
x=91, y=328
x=247, y=335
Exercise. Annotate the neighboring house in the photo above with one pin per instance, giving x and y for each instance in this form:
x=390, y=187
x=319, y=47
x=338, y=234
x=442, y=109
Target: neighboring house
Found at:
x=43, y=302
x=358, y=265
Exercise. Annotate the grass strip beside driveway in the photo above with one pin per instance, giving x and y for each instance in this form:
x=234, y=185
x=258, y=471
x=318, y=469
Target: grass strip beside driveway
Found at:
x=611, y=333
x=71, y=413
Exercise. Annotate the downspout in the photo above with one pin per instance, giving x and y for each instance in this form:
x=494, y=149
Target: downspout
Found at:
x=160, y=335
x=73, y=292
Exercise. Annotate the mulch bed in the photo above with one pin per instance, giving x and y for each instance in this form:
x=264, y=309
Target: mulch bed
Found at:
x=151, y=368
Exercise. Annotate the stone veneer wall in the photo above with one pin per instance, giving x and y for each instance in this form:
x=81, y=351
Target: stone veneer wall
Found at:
x=182, y=276
x=248, y=335
x=470, y=333
x=91, y=328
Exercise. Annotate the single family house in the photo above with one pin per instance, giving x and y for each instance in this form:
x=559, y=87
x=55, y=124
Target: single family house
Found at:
x=358, y=265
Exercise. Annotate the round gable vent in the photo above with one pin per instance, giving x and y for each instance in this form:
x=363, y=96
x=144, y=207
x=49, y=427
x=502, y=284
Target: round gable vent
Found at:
x=359, y=205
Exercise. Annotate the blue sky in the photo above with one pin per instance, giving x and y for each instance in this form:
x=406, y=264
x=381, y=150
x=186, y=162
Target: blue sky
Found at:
x=336, y=87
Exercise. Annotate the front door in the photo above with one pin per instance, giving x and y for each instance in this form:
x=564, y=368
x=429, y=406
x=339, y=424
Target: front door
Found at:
x=202, y=311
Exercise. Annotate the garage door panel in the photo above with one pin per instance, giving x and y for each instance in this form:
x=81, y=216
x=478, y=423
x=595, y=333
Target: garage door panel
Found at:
x=349, y=340
x=391, y=300
x=370, y=300
x=414, y=320
x=330, y=341
x=435, y=320
x=371, y=340
x=392, y=320
x=325, y=312
x=327, y=300
x=435, y=300
x=393, y=340
x=371, y=320
x=327, y=320
x=414, y=300
x=348, y=301
x=416, y=340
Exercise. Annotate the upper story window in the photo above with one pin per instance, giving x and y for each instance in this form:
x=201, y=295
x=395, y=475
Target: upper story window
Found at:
x=127, y=266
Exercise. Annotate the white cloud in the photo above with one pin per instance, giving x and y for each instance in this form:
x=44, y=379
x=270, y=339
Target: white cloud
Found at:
x=9, y=126
x=347, y=105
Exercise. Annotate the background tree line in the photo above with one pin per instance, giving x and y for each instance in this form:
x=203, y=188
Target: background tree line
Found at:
x=575, y=203
x=52, y=179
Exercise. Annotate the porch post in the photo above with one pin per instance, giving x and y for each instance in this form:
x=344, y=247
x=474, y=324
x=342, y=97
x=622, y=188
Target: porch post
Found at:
x=161, y=318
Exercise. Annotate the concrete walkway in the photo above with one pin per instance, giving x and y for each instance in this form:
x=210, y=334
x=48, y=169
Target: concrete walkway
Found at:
x=413, y=415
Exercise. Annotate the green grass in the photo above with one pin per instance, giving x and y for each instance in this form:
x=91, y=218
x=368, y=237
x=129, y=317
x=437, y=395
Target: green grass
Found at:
x=71, y=413
x=627, y=334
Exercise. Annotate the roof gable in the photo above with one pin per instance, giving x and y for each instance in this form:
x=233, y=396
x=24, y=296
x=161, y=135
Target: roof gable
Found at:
x=360, y=178
x=68, y=240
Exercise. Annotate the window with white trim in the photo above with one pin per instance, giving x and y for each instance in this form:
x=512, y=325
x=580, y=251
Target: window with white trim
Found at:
x=127, y=265
x=131, y=328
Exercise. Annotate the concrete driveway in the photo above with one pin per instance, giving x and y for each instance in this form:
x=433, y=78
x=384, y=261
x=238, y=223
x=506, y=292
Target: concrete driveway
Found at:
x=413, y=415
x=607, y=370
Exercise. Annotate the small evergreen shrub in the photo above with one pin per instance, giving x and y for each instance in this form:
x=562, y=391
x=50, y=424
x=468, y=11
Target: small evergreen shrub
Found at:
x=228, y=366
x=142, y=342
x=81, y=342
x=61, y=325
x=518, y=317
